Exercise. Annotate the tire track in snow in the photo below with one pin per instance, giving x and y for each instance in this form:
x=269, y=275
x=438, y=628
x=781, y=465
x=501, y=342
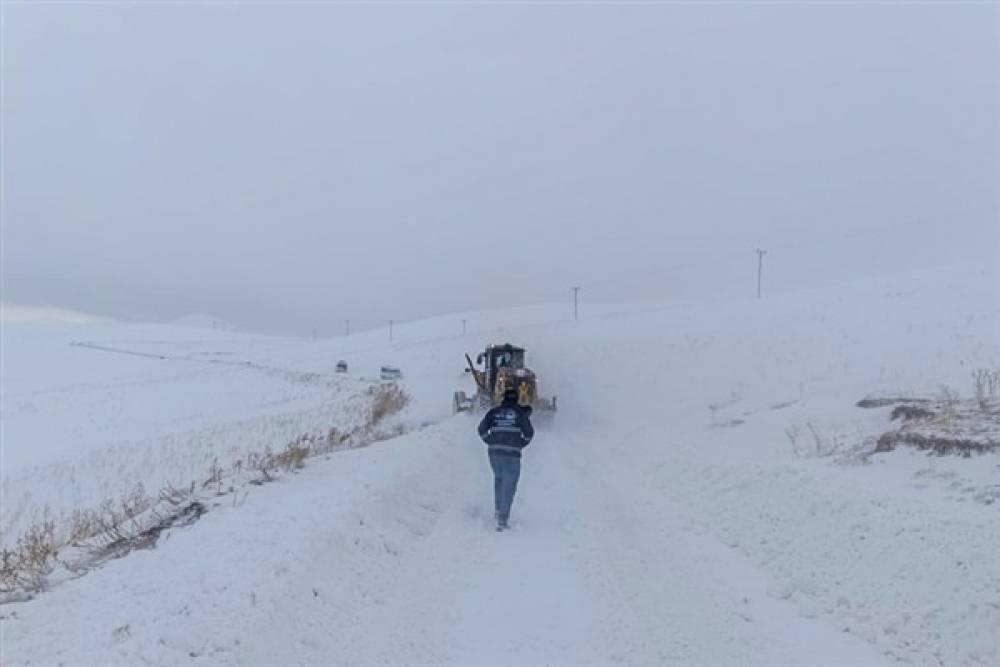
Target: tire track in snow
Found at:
x=697, y=601
x=596, y=571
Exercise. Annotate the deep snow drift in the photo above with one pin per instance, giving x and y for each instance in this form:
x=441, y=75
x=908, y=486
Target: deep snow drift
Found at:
x=707, y=494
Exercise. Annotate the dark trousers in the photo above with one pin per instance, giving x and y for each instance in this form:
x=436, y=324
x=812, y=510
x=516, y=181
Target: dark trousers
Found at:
x=506, y=471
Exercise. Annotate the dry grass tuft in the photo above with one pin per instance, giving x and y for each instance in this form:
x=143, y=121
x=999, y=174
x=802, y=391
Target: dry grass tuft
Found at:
x=944, y=426
x=28, y=565
x=987, y=385
x=294, y=456
x=387, y=400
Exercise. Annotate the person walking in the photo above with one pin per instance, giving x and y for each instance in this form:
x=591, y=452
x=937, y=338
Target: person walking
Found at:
x=506, y=429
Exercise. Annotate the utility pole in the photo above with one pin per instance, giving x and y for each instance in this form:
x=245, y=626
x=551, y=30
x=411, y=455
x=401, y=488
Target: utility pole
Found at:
x=760, y=268
x=347, y=327
x=576, y=303
x=463, y=327
x=390, y=331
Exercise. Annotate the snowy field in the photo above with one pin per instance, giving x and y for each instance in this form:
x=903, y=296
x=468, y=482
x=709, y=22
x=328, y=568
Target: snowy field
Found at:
x=707, y=494
x=91, y=411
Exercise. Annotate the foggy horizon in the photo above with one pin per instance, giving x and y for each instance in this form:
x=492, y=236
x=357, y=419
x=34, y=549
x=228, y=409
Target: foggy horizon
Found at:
x=287, y=167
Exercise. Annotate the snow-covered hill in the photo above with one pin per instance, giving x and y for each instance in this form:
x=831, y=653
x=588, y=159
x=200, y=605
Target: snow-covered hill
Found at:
x=17, y=314
x=707, y=494
x=202, y=321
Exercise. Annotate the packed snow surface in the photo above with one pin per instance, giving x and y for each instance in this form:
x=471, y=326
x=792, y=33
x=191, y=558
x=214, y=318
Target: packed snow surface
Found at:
x=706, y=494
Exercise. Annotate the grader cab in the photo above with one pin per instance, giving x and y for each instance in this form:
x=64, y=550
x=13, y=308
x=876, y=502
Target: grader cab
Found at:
x=498, y=368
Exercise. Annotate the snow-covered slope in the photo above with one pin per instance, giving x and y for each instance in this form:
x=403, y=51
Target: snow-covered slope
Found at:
x=704, y=497
x=202, y=321
x=90, y=412
x=12, y=313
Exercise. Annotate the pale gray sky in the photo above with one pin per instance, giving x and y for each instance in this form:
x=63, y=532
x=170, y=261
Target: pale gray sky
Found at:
x=286, y=166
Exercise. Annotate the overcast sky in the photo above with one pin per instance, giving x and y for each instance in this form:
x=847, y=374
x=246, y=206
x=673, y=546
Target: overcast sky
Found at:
x=287, y=166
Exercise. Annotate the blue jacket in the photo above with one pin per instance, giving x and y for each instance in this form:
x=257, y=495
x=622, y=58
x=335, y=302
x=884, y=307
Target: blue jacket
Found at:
x=507, y=429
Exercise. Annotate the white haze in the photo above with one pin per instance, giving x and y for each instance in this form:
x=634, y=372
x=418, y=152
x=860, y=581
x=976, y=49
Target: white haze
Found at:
x=289, y=166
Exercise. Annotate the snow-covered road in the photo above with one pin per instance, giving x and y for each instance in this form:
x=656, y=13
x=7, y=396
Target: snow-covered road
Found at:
x=388, y=557
x=599, y=571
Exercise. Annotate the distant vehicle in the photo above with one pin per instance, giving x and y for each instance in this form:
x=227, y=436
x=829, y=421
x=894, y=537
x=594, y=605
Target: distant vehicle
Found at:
x=341, y=366
x=390, y=373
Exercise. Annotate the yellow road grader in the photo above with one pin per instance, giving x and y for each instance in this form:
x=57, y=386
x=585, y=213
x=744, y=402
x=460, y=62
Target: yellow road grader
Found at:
x=502, y=367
